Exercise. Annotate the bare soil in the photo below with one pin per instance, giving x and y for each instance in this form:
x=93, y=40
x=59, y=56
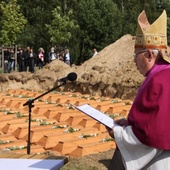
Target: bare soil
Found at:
x=99, y=161
x=111, y=73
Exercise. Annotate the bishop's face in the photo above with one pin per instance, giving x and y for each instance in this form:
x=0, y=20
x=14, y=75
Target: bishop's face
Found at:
x=144, y=60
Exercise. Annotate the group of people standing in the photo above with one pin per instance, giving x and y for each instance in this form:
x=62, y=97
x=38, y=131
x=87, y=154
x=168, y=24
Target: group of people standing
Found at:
x=27, y=58
x=9, y=60
x=65, y=56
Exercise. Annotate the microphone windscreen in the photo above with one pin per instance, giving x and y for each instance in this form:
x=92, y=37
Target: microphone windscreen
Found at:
x=72, y=76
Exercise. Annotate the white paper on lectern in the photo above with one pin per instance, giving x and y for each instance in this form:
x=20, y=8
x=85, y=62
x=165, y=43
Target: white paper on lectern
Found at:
x=96, y=114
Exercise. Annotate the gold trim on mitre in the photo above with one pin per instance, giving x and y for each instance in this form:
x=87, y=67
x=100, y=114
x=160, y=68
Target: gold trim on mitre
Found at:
x=152, y=36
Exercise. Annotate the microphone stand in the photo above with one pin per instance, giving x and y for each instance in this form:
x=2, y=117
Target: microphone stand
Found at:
x=30, y=106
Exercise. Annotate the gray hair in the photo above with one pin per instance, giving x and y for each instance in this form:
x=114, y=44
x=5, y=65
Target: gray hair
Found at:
x=155, y=51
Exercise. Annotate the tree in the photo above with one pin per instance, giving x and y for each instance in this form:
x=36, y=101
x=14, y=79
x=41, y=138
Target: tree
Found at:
x=168, y=31
x=38, y=14
x=99, y=23
x=130, y=10
x=12, y=22
x=61, y=27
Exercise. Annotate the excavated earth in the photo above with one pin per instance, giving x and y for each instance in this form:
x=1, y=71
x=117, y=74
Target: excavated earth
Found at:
x=111, y=73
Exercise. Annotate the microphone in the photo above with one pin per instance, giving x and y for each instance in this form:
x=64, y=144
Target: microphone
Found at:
x=71, y=77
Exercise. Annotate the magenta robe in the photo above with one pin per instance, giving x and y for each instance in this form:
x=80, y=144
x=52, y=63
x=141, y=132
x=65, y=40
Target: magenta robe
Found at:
x=150, y=112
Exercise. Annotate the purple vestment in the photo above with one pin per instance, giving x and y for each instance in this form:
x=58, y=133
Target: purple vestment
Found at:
x=150, y=112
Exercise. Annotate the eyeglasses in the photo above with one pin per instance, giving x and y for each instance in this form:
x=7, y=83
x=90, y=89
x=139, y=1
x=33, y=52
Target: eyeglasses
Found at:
x=136, y=54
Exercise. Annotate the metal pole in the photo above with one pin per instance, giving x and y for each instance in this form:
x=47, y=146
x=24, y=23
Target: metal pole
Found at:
x=30, y=105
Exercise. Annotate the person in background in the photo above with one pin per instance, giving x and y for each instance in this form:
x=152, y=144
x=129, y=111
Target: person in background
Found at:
x=57, y=54
x=31, y=61
x=67, y=57
x=94, y=52
x=26, y=58
x=6, y=58
x=21, y=60
x=61, y=57
x=143, y=140
x=41, y=57
x=52, y=55
x=11, y=60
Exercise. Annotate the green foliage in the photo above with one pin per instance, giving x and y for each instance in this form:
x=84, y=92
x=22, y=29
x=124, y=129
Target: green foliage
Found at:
x=99, y=25
x=38, y=14
x=77, y=25
x=12, y=21
x=28, y=36
x=61, y=27
x=168, y=38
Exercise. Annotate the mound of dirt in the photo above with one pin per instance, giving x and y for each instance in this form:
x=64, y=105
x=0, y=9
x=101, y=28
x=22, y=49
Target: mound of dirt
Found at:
x=111, y=73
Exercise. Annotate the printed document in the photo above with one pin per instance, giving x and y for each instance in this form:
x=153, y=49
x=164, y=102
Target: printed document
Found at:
x=96, y=114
